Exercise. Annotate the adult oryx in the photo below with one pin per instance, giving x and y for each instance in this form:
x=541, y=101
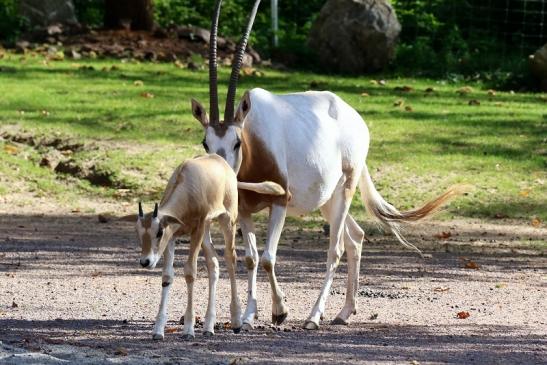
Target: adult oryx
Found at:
x=314, y=145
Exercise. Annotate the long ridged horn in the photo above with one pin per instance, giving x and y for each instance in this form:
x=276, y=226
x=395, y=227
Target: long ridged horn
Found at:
x=213, y=81
x=238, y=60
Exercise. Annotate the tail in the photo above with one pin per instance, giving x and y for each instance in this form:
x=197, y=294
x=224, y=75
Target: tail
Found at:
x=265, y=187
x=391, y=218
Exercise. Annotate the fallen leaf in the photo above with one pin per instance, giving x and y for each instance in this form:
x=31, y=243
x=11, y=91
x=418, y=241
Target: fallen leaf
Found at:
x=536, y=222
x=227, y=325
x=121, y=351
x=178, y=64
x=147, y=95
x=96, y=273
x=470, y=264
x=45, y=113
x=399, y=102
x=373, y=316
x=171, y=329
x=374, y=82
x=501, y=285
x=365, y=95
x=464, y=90
x=500, y=216
x=138, y=83
x=463, y=315
x=443, y=235
x=474, y=102
x=491, y=92
x=10, y=149
x=382, y=82
x=14, y=305
x=404, y=89
x=441, y=289
x=524, y=193
x=429, y=90
x=408, y=108
x=414, y=362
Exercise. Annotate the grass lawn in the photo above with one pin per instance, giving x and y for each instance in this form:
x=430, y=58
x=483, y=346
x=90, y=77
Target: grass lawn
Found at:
x=136, y=124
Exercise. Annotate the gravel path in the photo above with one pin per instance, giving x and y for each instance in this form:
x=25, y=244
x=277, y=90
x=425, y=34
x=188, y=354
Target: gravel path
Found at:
x=71, y=291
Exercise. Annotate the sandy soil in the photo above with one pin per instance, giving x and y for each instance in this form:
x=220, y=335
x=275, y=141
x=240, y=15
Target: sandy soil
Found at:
x=71, y=291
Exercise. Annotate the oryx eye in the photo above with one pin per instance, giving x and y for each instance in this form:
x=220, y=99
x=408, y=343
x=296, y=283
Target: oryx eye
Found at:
x=237, y=145
x=205, y=145
x=160, y=233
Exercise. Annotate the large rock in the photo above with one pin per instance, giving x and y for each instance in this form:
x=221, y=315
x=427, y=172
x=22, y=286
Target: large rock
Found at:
x=355, y=36
x=46, y=12
x=538, y=66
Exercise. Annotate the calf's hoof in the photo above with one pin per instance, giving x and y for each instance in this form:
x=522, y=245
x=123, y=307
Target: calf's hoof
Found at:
x=236, y=330
x=279, y=318
x=157, y=336
x=309, y=325
x=247, y=327
x=188, y=337
x=208, y=334
x=339, y=321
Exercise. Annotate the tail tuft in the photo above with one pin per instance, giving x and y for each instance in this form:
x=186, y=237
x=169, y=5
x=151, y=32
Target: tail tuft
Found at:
x=391, y=218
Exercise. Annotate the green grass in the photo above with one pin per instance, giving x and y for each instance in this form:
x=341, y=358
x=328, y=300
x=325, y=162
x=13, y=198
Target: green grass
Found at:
x=498, y=146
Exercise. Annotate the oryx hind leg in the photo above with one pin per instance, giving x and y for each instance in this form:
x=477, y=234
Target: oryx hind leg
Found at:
x=336, y=210
x=353, y=242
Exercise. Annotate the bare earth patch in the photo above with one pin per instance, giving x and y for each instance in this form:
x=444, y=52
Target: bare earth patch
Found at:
x=71, y=291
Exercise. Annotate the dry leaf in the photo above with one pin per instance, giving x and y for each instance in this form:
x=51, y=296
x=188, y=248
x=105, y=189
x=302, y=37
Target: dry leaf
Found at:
x=147, y=95
x=45, y=113
x=382, y=82
x=227, y=325
x=500, y=216
x=443, y=235
x=501, y=285
x=524, y=193
x=536, y=222
x=408, y=108
x=404, y=89
x=10, y=149
x=429, y=90
x=491, y=92
x=121, y=351
x=470, y=264
x=474, y=102
x=463, y=315
x=96, y=273
x=171, y=329
x=374, y=82
x=178, y=64
x=365, y=95
x=399, y=102
x=464, y=90
x=14, y=305
x=441, y=289
x=138, y=83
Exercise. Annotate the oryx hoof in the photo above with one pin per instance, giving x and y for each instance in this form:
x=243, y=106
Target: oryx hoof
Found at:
x=247, y=327
x=310, y=325
x=279, y=318
x=157, y=336
x=236, y=330
x=208, y=334
x=339, y=321
x=188, y=337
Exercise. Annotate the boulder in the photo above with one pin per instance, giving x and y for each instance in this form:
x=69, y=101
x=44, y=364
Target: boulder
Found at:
x=46, y=12
x=538, y=66
x=355, y=36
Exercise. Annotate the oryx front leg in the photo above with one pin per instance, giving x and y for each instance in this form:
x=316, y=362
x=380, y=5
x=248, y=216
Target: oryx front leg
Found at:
x=229, y=231
x=212, y=268
x=353, y=242
x=190, y=270
x=251, y=262
x=338, y=208
x=167, y=281
x=277, y=220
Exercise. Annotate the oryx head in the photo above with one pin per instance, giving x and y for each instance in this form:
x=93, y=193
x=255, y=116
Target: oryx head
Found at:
x=154, y=233
x=225, y=137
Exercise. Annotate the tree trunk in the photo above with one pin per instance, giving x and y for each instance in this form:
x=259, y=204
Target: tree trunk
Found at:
x=129, y=14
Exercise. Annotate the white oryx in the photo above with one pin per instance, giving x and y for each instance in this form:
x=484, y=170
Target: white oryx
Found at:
x=200, y=190
x=314, y=145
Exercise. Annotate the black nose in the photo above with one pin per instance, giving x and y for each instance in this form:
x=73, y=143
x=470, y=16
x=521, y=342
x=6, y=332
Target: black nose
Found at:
x=145, y=263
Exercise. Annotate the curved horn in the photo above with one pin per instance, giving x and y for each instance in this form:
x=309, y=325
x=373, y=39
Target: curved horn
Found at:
x=213, y=83
x=141, y=213
x=238, y=60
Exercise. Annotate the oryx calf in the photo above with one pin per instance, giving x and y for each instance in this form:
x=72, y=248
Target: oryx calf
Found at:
x=199, y=190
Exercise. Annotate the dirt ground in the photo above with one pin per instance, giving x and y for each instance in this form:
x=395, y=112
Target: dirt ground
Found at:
x=71, y=291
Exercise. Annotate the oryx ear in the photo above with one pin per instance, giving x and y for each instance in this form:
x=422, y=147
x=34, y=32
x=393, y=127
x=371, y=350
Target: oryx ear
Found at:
x=168, y=220
x=243, y=109
x=128, y=218
x=198, y=111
